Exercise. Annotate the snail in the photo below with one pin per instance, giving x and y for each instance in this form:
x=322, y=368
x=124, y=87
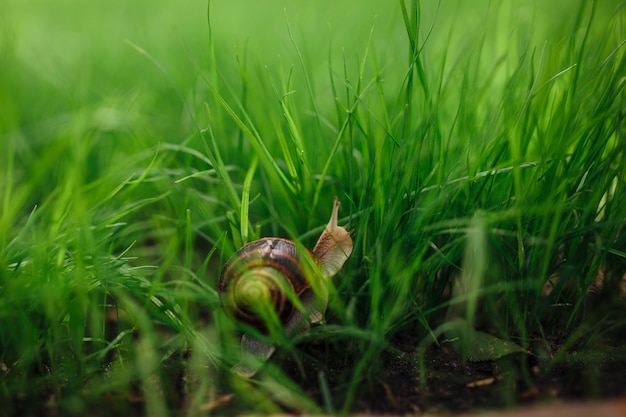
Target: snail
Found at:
x=274, y=278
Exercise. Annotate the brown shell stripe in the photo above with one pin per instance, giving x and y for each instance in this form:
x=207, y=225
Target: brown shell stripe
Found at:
x=281, y=254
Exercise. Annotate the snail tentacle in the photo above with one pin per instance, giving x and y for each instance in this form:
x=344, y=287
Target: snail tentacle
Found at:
x=334, y=245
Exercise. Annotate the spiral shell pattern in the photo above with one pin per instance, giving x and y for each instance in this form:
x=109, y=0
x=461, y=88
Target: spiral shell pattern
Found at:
x=263, y=271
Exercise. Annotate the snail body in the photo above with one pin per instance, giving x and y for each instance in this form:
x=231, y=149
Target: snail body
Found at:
x=276, y=280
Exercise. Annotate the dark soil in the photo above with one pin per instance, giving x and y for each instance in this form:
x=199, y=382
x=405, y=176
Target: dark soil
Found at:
x=453, y=385
x=450, y=384
x=395, y=384
x=403, y=379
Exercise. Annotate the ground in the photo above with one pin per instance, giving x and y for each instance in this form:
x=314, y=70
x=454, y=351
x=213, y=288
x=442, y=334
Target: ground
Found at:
x=405, y=379
x=460, y=386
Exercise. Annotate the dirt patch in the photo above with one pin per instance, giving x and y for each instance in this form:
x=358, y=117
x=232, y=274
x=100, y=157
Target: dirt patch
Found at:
x=405, y=379
x=450, y=384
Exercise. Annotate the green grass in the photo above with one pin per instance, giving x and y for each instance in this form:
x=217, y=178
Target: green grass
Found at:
x=477, y=150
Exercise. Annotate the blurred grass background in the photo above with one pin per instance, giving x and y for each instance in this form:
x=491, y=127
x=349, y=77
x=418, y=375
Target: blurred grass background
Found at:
x=483, y=136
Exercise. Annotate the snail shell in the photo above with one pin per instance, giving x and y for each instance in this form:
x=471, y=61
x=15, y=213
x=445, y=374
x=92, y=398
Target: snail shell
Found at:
x=266, y=273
